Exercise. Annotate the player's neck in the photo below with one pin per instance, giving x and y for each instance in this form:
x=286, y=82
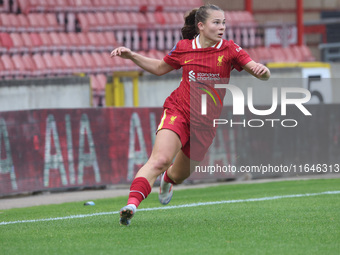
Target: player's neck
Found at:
x=205, y=43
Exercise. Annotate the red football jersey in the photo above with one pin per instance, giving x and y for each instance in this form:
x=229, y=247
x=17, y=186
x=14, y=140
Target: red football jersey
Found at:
x=202, y=68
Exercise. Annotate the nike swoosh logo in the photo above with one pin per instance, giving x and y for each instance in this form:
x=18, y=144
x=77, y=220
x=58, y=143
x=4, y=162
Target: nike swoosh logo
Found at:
x=187, y=61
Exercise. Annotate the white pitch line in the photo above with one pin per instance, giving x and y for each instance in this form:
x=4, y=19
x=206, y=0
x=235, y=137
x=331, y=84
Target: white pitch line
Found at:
x=175, y=207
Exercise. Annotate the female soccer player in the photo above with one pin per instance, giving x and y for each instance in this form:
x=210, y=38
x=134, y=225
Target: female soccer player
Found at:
x=181, y=143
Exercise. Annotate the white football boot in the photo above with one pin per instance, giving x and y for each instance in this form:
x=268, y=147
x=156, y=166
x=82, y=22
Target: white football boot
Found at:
x=126, y=214
x=165, y=191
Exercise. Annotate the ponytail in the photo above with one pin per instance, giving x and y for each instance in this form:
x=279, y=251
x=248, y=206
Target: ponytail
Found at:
x=190, y=29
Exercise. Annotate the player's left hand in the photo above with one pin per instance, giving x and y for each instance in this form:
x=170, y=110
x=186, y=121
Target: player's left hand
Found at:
x=259, y=69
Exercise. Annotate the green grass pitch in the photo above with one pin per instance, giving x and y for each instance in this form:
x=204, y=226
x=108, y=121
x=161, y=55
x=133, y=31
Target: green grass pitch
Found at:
x=286, y=225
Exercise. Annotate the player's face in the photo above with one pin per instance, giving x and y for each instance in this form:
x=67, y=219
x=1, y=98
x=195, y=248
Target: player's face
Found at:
x=214, y=26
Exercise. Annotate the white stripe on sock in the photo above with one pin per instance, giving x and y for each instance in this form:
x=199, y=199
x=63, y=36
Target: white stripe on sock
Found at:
x=138, y=192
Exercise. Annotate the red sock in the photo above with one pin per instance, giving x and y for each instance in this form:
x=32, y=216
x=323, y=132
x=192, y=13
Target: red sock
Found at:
x=167, y=178
x=139, y=190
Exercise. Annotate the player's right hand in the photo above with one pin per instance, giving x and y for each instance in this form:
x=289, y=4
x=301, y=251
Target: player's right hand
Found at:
x=122, y=52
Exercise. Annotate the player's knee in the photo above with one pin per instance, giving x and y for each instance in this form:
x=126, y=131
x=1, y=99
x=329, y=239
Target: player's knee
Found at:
x=161, y=163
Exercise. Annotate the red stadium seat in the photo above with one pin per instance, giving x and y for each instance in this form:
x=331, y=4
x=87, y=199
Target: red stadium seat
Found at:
x=24, y=6
x=253, y=54
x=297, y=53
x=306, y=53
x=52, y=22
x=161, y=54
x=46, y=42
x=118, y=64
x=6, y=41
x=125, y=28
x=3, y=49
x=264, y=55
x=36, y=22
x=102, y=24
x=150, y=5
x=24, y=25
x=278, y=54
x=89, y=62
x=65, y=41
x=27, y=6
x=18, y=43
x=93, y=22
x=110, y=20
x=89, y=22
x=29, y=63
x=81, y=5
x=15, y=24
x=229, y=33
x=160, y=18
x=9, y=65
x=157, y=30
x=93, y=80
x=57, y=5
x=124, y=19
x=111, y=40
x=173, y=21
x=95, y=85
x=43, y=22
x=98, y=84
x=289, y=55
x=107, y=60
x=84, y=41
x=57, y=42
x=41, y=68
x=83, y=22
x=5, y=22
x=74, y=41
x=151, y=19
x=9, y=22
x=80, y=62
x=98, y=92
x=60, y=64
x=102, y=79
x=37, y=43
x=169, y=6
x=3, y=71
x=99, y=63
x=127, y=6
x=96, y=40
x=103, y=5
x=70, y=63
x=51, y=65
x=19, y=64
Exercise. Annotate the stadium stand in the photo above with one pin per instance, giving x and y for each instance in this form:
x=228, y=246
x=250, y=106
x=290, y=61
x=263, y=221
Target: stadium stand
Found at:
x=65, y=37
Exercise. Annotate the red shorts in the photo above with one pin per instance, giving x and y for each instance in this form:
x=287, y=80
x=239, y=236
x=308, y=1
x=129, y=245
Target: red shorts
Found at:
x=195, y=143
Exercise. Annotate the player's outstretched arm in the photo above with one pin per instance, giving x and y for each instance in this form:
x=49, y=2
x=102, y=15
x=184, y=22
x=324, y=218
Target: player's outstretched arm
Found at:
x=154, y=66
x=258, y=70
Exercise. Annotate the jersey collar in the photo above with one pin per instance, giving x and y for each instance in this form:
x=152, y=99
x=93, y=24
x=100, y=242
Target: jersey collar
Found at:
x=196, y=44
